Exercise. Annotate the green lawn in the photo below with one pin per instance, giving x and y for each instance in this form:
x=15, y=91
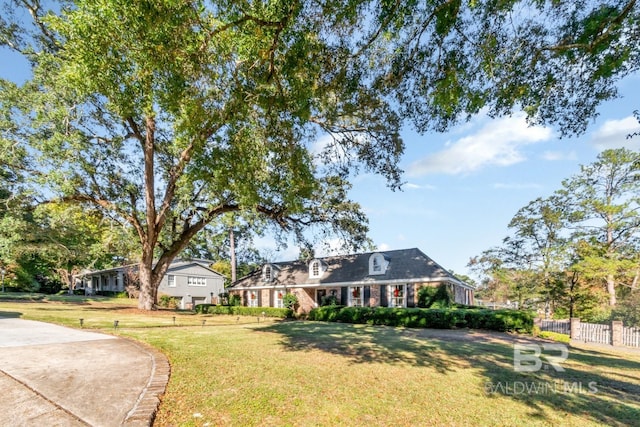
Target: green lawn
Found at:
x=238, y=371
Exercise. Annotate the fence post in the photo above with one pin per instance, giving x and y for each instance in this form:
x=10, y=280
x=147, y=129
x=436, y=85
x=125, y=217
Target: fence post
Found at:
x=537, y=322
x=616, y=333
x=575, y=328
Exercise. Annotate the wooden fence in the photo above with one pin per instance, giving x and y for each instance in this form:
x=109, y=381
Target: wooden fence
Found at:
x=558, y=326
x=595, y=332
x=631, y=337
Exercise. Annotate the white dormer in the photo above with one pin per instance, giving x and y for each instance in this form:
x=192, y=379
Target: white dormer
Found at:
x=268, y=273
x=316, y=269
x=377, y=264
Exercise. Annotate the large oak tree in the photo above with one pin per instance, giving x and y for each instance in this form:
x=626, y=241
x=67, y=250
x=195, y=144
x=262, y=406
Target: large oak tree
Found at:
x=169, y=113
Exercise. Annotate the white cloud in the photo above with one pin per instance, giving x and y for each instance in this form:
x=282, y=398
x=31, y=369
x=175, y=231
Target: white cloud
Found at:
x=613, y=134
x=412, y=186
x=497, y=143
x=559, y=155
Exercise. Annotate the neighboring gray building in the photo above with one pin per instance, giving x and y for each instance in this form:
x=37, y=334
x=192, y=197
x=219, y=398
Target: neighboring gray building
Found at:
x=376, y=279
x=190, y=282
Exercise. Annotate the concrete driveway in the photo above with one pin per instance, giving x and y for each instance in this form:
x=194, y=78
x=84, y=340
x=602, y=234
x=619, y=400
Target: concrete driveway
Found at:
x=57, y=376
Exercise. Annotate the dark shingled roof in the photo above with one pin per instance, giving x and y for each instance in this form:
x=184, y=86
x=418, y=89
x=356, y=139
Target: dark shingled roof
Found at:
x=405, y=264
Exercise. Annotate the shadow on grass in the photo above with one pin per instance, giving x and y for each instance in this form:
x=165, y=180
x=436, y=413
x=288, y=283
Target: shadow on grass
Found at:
x=10, y=314
x=596, y=385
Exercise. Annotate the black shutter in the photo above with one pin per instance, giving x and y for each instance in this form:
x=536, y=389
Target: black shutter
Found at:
x=367, y=296
x=384, y=301
x=344, y=296
x=411, y=295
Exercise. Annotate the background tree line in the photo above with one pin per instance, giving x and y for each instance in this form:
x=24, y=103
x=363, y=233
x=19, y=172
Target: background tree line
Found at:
x=44, y=245
x=166, y=115
x=575, y=253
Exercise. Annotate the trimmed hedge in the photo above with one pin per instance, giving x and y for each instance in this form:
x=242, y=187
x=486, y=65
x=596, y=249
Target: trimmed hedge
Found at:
x=496, y=320
x=202, y=308
x=237, y=310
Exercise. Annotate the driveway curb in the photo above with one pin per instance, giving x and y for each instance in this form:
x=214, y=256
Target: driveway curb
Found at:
x=144, y=411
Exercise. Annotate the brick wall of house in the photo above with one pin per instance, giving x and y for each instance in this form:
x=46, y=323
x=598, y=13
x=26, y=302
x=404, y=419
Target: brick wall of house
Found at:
x=265, y=298
x=305, y=299
x=306, y=296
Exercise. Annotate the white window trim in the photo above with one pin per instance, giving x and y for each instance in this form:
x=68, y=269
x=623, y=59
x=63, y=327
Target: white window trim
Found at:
x=269, y=268
x=197, y=281
x=171, y=280
x=377, y=260
x=397, y=301
x=312, y=264
x=253, y=299
x=356, y=301
x=277, y=301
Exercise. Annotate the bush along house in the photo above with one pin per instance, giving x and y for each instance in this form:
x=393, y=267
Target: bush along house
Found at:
x=376, y=279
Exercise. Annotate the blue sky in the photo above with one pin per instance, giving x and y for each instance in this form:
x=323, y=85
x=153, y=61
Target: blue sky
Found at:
x=464, y=186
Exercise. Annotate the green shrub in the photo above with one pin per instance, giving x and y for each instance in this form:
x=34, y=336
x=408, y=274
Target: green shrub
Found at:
x=426, y=295
x=219, y=309
x=281, y=313
x=434, y=297
x=329, y=300
x=202, y=308
x=235, y=300
x=327, y=313
x=442, y=318
x=167, y=301
x=290, y=300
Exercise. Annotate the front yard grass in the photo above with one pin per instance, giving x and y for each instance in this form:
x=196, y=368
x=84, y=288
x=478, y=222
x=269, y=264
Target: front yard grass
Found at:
x=238, y=371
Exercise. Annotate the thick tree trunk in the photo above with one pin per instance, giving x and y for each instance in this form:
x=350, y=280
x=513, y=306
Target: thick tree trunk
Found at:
x=147, y=295
x=66, y=278
x=150, y=276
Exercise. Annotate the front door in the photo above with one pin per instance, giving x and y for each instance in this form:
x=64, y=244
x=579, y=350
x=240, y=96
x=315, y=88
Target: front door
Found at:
x=321, y=295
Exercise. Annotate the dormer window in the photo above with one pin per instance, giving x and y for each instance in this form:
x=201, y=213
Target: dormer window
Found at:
x=315, y=269
x=377, y=264
x=267, y=273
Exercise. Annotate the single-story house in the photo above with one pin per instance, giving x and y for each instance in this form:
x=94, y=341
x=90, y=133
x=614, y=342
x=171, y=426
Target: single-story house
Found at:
x=376, y=279
x=189, y=281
